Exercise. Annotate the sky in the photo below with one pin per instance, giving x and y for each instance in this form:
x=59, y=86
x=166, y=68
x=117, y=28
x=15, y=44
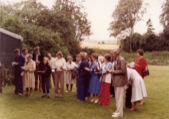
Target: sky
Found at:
x=100, y=12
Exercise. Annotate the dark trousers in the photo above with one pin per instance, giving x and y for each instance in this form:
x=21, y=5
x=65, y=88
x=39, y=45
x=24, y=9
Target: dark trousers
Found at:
x=112, y=90
x=128, y=97
x=87, y=81
x=0, y=85
x=45, y=84
x=38, y=78
x=18, y=83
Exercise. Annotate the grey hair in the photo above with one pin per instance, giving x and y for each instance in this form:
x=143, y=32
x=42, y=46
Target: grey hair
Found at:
x=117, y=51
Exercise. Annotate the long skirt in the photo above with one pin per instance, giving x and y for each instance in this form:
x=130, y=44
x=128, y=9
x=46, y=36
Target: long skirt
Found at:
x=138, y=90
x=105, y=94
x=94, y=85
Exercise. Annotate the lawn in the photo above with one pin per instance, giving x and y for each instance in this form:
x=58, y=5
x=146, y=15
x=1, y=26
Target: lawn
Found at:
x=156, y=107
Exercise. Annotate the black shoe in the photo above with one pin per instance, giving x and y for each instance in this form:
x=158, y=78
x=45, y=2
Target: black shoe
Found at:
x=43, y=96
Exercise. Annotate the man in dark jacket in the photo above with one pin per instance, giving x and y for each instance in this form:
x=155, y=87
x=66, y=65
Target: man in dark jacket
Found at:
x=1, y=77
x=17, y=64
x=38, y=58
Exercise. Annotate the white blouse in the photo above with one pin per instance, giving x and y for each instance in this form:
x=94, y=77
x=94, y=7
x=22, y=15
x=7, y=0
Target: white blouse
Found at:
x=71, y=66
x=60, y=64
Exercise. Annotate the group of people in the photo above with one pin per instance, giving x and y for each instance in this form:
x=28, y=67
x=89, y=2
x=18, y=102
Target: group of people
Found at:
x=95, y=77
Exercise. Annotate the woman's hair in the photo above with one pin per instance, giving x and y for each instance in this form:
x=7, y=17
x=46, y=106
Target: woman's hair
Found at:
x=70, y=57
x=82, y=54
x=95, y=56
x=60, y=53
x=29, y=56
x=108, y=57
x=140, y=52
x=17, y=50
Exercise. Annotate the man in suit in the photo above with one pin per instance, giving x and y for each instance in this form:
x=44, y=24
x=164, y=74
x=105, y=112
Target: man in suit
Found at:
x=38, y=58
x=17, y=64
x=111, y=86
x=119, y=81
x=1, y=77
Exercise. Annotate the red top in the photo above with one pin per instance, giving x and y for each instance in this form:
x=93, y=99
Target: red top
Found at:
x=140, y=65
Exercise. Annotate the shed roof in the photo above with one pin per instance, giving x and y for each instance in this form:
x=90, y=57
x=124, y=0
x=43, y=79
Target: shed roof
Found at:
x=16, y=36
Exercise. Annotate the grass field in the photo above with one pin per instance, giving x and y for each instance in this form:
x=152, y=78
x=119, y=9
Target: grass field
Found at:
x=156, y=107
x=95, y=45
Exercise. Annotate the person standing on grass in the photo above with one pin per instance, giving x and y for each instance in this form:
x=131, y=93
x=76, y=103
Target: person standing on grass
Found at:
x=138, y=87
x=119, y=81
x=87, y=80
x=70, y=73
x=60, y=67
x=1, y=76
x=105, y=81
x=78, y=62
x=45, y=72
x=51, y=63
x=94, y=85
x=17, y=64
x=38, y=58
x=83, y=75
x=29, y=77
x=140, y=66
x=112, y=93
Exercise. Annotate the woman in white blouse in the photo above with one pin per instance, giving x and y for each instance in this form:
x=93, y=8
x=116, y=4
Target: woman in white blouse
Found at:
x=138, y=87
x=70, y=73
x=60, y=67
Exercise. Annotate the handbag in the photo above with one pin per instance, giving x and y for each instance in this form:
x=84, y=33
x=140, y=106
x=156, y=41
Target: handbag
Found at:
x=146, y=72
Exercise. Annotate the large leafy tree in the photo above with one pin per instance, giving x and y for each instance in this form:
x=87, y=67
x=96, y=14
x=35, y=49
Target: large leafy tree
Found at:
x=125, y=16
x=75, y=12
x=58, y=21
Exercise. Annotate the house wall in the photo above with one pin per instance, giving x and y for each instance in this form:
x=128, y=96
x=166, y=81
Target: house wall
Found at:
x=7, y=46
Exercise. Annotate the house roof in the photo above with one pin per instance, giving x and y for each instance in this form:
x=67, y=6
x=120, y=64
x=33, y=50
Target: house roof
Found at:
x=16, y=36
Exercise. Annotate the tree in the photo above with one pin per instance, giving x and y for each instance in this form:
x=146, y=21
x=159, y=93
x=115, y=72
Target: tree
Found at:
x=150, y=29
x=125, y=16
x=164, y=17
x=74, y=11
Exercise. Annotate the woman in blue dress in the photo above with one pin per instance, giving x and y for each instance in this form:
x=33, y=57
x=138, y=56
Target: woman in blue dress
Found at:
x=94, y=86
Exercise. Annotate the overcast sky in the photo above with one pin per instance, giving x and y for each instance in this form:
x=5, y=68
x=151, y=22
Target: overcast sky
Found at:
x=100, y=11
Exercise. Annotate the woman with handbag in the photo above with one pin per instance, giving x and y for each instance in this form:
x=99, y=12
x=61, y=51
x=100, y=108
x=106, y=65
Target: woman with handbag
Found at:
x=140, y=63
x=70, y=74
x=140, y=66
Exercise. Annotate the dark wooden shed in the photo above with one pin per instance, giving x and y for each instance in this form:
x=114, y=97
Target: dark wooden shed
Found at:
x=8, y=43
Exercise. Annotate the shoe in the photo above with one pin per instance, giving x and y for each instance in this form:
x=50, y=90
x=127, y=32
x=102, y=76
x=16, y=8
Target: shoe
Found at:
x=20, y=94
x=133, y=109
x=48, y=96
x=116, y=116
x=92, y=100
x=67, y=91
x=114, y=113
x=43, y=96
x=86, y=98
x=96, y=101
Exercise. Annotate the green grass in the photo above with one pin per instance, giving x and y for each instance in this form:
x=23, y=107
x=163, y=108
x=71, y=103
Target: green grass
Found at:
x=156, y=107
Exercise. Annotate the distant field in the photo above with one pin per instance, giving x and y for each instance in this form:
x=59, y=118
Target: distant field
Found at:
x=96, y=45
